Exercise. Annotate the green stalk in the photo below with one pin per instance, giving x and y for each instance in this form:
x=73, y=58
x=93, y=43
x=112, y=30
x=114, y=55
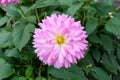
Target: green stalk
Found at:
x=37, y=16
x=19, y=6
x=40, y=69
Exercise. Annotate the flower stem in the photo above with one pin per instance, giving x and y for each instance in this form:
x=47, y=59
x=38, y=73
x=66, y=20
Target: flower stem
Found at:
x=19, y=6
x=48, y=77
x=83, y=20
x=40, y=69
x=37, y=16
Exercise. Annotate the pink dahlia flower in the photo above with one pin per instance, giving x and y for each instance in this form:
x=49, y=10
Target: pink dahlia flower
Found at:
x=61, y=41
x=6, y=2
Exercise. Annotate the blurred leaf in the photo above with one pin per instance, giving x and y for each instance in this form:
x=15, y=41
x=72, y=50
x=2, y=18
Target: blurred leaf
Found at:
x=102, y=9
x=3, y=20
x=5, y=69
x=89, y=8
x=118, y=52
x=27, y=54
x=66, y=2
x=94, y=38
x=82, y=1
x=116, y=77
x=12, y=53
x=29, y=71
x=110, y=63
x=12, y=11
x=32, y=19
x=38, y=78
x=86, y=62
x=25, y=10
x=21, y=34
x=91, y=25
x=107, y=43
x=96, y=54
x=108, y=2
x=73, y=9
x=45, y=3
x=72, y=73
x=99, y=74
x=113, y=25
x=18, y=78
x=2, y=61
x=0, y=15
x=5, y=38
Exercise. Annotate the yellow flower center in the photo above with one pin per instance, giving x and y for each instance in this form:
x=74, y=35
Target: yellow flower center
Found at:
x=60, y=39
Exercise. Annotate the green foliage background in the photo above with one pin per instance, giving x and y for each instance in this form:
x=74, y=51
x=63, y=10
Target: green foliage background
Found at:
x=18, y=21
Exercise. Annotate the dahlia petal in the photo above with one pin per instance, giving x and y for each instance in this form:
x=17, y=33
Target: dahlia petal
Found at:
x=3, y=1
x=72, y=52
x=66, y=64
x=74, y=60
x=50, y=60
x=54, y=55
x=69, y=58
x=61, y=41
x=60, y=59
x=42, y=52
x=54, y=17
x=37, y=50
x=64, y=52
x=79, y=56
x=6, y=2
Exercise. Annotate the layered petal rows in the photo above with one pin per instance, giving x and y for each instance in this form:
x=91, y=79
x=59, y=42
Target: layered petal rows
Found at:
x=61, y=41
x=6, y=2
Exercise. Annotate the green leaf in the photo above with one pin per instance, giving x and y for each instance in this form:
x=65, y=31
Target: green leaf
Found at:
x=102, y=9
x=73, y=9
x=82, y=1
x=29, y=71
x=3, y=20
x=107, y=43
x=31, y=19
x=5, y=38
x=86, y=62
x=27, y=54
x=2, y=61
x=116, y=77
x=41, y=78
x=91, y=25
x=45, y=3
x=12, y=11
x=108, y=2
x=19, y=78
x=118, y=52
x=5, y=69
x=21, y=34
x=110, y=63
x=12, y=53
x=113, y=25
x=38, y=78
x=89, y=8
x=99, y=74
x=72, y=73
x=96, y=54
x=66, y=2
x=94, y=38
